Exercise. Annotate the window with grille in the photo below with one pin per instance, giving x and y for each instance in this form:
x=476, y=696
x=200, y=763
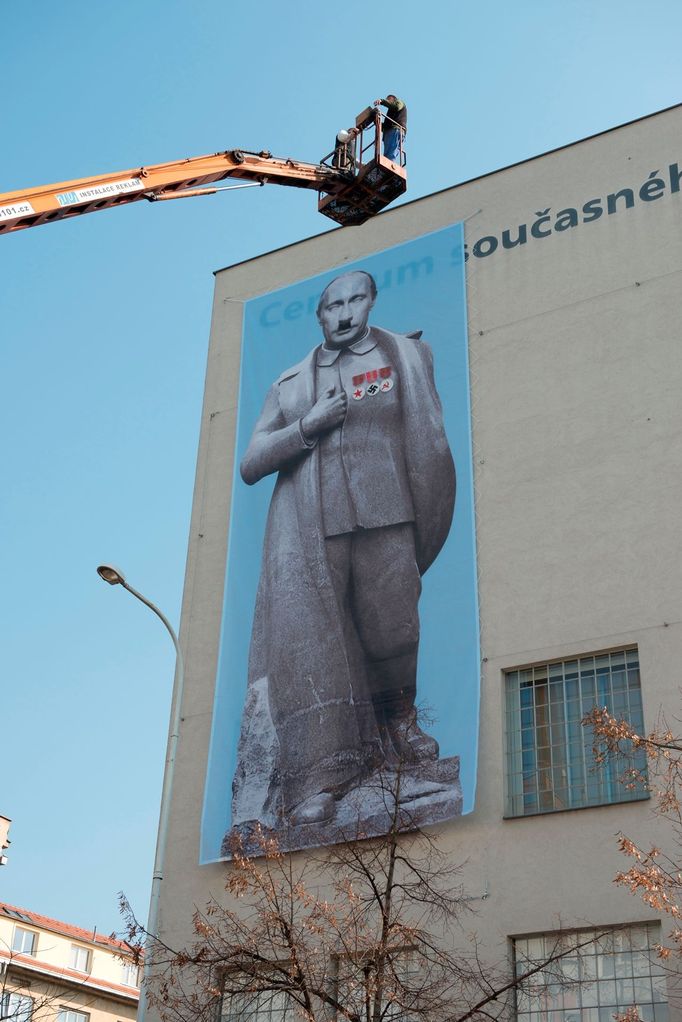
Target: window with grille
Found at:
x=550, y=760
x=24, y=941
x=618, y=969
x=16, y=1007
x=402, y=970
x=267, y=1006
x=403, y=979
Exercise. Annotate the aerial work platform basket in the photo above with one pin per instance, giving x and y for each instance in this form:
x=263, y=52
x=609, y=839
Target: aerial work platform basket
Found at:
x=373, y=181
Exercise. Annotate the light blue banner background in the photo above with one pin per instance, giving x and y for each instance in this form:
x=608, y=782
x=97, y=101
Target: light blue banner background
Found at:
x=421, y=286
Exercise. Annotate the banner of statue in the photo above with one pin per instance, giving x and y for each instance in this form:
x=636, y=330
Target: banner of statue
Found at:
x=349, y=648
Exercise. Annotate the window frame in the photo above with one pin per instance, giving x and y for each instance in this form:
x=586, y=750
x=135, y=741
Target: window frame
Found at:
x=126, y=968
x=6, y=998
x=402, y=963
x=75, y=952
x=253, y=1010
x=549, y=765
x=67, y=1014
x=281, y=1006
x=24, y=932
x=593, y=979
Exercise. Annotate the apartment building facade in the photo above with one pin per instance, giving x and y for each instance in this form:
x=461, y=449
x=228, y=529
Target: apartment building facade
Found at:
x=51, y=971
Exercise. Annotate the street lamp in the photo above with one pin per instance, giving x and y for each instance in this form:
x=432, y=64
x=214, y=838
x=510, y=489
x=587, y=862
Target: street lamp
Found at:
x=114, y=576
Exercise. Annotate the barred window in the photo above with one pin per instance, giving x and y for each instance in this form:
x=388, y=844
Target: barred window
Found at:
x=351, y=981
x=550, y=762
x=403, y=981
x=617, y=970
x=266, y=1006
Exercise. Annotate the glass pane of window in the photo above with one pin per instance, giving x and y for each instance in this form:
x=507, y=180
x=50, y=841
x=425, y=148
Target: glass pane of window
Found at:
x=69, y=1015
x=24, y=941
x=16, y=1007
x=595, y=980
x=79, y=958
x=130, y=974
x=264, y=1007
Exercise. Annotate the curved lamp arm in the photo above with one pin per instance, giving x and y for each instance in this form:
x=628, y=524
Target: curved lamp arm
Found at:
x=114, y=576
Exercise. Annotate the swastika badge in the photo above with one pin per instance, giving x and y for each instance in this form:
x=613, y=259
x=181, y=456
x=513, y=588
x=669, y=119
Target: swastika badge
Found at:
x=385, y=385
x=358, y=393
x=373, y=389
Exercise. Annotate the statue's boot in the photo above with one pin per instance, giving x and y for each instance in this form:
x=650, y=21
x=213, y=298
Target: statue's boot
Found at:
x=316, y=809
x=394, y=683
x=407, y=735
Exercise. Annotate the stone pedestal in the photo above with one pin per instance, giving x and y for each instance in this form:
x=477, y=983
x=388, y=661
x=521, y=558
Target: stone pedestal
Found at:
x=428, y=792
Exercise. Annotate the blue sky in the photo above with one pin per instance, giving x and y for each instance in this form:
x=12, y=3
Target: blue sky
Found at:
x=105, y=323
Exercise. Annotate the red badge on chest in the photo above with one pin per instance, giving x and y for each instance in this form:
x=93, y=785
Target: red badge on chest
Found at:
x=373, y=374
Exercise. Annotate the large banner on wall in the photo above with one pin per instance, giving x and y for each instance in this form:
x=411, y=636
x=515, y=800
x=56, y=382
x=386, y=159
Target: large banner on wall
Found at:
x=349, y=650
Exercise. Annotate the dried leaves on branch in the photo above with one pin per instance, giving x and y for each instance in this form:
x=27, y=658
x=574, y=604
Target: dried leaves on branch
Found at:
x=370, y=930
x=654, y=875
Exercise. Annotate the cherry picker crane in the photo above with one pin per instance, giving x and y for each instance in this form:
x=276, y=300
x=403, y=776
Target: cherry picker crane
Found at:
x=350, y=190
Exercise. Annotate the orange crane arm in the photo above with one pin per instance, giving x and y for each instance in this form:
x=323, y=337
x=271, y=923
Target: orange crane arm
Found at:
x=356, y=184
x=31, y=207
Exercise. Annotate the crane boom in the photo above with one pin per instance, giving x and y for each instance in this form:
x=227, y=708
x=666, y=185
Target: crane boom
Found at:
x=350, y=194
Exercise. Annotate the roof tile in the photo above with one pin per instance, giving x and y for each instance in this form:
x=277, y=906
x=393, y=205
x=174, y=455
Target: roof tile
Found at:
x=56, y=926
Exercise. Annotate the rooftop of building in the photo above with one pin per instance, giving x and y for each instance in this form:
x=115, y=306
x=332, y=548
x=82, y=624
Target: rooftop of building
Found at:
x=458, y=184
x=24, y=915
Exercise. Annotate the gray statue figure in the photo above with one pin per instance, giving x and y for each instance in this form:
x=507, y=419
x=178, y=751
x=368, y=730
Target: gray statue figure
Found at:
x=362, y=506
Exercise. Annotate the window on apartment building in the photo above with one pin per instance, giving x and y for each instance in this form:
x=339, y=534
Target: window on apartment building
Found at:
x=69, y=1015
x=615, y=970
x=129, y=974
x=79, y=958
x=16, y=1007
x=550, y=762
x=24, y=942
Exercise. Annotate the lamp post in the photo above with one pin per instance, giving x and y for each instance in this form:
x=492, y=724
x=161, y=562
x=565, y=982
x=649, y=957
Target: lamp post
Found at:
x=114, y=576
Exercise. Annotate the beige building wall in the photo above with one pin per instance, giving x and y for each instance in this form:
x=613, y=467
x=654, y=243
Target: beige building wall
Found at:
x=576, y=372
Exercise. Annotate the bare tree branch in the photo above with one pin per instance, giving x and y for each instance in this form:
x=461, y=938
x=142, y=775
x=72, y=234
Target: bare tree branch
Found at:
x=362, y=931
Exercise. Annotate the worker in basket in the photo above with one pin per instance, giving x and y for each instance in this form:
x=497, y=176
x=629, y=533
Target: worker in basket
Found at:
x=395, y=126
